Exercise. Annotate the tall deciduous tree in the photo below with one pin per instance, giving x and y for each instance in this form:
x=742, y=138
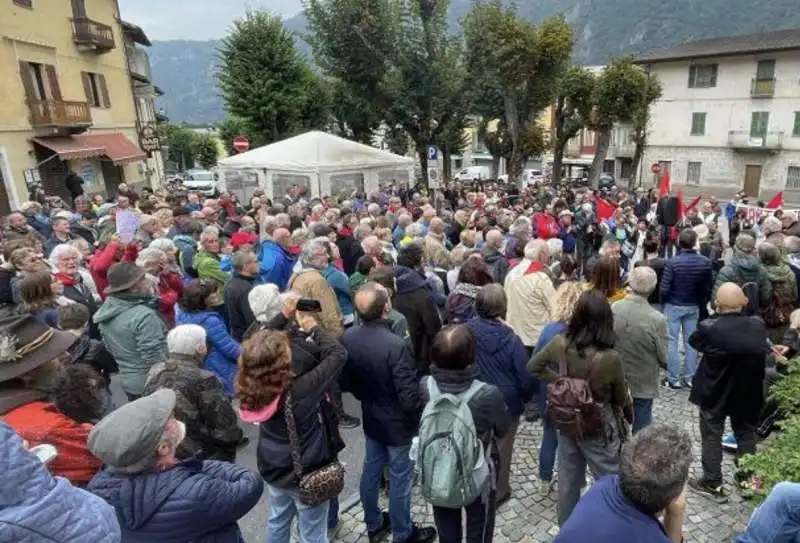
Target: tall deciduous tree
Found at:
x=233, y=127
x=524, y=63
x=572, y=110
x=619, y=93
x=206, y=150
x=266, y=82
x=399, y=57
x=352, y=117
x=641, y=118
x=181, y=143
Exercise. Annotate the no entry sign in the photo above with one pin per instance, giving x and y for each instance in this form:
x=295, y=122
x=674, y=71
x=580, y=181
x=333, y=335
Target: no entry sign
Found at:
x=241, y=144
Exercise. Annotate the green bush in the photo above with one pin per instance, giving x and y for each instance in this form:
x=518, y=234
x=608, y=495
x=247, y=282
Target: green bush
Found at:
x=780, y=460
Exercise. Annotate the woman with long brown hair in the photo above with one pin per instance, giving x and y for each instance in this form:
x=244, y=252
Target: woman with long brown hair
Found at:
x=39, y=294
x=608, y=279
x=288, y=397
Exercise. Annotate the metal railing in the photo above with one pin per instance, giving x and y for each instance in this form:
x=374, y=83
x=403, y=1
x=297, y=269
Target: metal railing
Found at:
x=742, y=139
x=762, y=88
x=91, y=33
x=59, y=113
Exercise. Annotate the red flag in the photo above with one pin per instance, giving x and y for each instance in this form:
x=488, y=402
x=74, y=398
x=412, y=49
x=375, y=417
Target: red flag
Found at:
x=776, y=202
x=605, y=209
x=681, y=209
x=692, y=204
x=663, y=187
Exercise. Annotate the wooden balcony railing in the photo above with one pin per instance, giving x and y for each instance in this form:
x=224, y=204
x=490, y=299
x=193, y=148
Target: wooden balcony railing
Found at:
x=59, y=113
x=762, y=88
x=89, y=33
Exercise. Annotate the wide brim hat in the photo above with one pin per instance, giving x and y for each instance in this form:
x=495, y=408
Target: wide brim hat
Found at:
x=123, y=276
x=27, y=343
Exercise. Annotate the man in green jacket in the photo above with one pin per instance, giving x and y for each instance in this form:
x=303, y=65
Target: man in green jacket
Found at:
x=206, y=261
x=744, y=268
x=131, y=327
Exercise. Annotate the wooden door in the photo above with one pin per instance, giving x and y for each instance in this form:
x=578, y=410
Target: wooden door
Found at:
x=752, y=180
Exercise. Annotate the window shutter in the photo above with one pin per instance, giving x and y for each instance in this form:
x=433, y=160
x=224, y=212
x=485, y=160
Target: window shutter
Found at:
x=87, y=88
x=52, y=79
x=714, y=68
x=104, y=99
x=692, y=75
x=27, y=81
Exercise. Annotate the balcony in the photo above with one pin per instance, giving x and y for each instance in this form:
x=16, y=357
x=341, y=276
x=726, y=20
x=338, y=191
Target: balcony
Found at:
x=139, y=64
x=59, y=114
x=622, y=150
x=92, y=35
x=762, y=88
x=741, y=140
x=573, y=147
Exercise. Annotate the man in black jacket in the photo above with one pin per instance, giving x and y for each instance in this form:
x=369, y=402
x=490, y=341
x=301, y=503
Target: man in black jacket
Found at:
x=727, y=383
x=245, y=276
x=381, y=375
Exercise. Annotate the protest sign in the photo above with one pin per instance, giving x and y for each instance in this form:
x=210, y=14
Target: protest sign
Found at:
x=127, y=225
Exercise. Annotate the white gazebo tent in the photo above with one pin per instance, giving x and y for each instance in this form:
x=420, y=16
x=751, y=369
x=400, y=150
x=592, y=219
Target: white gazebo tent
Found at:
x=325, y=164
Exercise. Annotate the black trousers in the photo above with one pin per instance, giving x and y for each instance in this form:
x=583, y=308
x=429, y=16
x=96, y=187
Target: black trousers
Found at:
x=480, y=522
x=712, y=428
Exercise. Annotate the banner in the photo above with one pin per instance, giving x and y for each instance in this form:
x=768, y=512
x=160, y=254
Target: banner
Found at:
x=754, y=213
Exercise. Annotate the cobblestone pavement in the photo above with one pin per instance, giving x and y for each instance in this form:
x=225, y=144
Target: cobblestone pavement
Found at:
x=530, y=517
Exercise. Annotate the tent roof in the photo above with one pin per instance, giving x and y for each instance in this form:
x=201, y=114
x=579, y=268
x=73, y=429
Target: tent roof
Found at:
x=316, y=152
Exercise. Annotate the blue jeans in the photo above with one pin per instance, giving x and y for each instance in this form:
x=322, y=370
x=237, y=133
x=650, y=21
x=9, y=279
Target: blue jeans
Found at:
x=401, y=476
x=642, y=413
x=778, y=518
x=549, y=445
x=680, y=318
x=333, y=513
x=284, y=503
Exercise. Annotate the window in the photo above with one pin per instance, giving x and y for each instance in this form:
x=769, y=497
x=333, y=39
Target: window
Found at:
x=758, y=124
x=703, y=77
x=693, y=170
x=24, y=3
x=666, y=166
x=94, y=85
x=796, y=126
x=698, y=124
x=40, y=81
x=765, y=70
x=793, y=177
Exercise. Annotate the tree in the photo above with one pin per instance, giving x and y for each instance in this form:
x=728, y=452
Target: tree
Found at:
x=397, y=140
x=206, y=150
x=641, y=118
x=619, y=93
x=523, y=62
x=398, y=57
x=352, y=117
x=497, y=142
x=452, y=139
x=572, y=110
x=181, y=143
x=232, y=127
x=266, y=83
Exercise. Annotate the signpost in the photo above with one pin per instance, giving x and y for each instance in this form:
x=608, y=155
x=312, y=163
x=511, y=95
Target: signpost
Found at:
x=241, y=144
x=655, y=168
x=433, y=153
x=148, y=138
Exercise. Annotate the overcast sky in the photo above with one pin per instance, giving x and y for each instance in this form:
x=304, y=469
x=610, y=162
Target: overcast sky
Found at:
x=195, y=19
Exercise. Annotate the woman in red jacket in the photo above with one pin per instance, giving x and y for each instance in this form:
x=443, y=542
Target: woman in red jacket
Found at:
x=114, y=252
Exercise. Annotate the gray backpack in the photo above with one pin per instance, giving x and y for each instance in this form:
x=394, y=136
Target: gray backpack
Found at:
x=450, y=456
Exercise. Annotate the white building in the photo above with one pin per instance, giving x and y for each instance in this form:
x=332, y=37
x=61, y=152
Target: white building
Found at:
x=729, y=117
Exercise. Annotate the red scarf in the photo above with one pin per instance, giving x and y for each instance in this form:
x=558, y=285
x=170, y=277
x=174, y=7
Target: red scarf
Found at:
x=533, y=268
x=66, y=279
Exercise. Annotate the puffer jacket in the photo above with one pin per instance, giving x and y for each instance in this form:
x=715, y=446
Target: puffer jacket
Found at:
x=207, y=266
x=501, y=360
x=223, y=350
x=744, y=268
x=498, y=265
x=414, y=301
x=187, y=248
x=197, y=501
x=784, y=294
x=275, y=264
x=134, y=334
x=317, y=361
x=36, y=507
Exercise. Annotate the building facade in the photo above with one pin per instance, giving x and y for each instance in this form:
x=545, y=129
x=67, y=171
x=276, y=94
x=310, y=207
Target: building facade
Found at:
x=67, y=100
x=729, y=117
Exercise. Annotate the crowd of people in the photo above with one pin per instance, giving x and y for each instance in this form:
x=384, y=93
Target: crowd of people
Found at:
x=449, y=316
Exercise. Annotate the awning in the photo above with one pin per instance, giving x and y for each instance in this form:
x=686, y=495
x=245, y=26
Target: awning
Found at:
x=114, y=145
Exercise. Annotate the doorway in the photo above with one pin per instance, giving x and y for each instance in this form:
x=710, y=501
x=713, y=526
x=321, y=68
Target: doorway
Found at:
x=113, y=176
x=752, y=180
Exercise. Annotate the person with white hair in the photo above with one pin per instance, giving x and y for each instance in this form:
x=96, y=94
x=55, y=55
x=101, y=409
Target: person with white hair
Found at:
x=641, y=343
x=206, y=261
x=212, y=430
x=436, y=253
x=399, y=232
x=530, y=291
x=492, y=252
x=148, y=228
x=167, y=286
x=772, y=230
x=77, y=284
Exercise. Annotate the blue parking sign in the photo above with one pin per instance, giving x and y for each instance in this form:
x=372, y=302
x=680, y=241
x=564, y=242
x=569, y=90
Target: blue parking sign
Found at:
x=433, y=152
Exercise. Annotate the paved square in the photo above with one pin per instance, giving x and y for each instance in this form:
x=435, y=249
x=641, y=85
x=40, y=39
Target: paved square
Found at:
x=530, y=517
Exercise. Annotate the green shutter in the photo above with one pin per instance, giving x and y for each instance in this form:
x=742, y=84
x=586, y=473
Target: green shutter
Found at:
x=758, y=124
x=698, y=124
x=692, y=76
x=796, y=127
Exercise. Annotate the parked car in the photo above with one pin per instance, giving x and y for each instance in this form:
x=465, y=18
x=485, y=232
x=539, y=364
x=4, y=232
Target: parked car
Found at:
x=474, y=172
x=202, y=181
x=529, y=177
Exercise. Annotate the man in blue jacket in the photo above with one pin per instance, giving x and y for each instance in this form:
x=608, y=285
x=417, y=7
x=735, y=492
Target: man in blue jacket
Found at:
x=685, y=288
x=276, y=262
x=653, y=471
x=501, y=358
x=157, y=498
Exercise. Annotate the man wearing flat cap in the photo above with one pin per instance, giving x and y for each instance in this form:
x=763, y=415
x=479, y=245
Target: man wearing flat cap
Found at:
x=131, y=327
x=157, y=498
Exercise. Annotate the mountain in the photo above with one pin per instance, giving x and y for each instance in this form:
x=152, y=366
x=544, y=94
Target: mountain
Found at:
x=603, y=29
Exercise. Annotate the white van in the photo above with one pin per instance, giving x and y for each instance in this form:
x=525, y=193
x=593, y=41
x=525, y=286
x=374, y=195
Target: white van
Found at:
x=529, y=177
x=474, y=172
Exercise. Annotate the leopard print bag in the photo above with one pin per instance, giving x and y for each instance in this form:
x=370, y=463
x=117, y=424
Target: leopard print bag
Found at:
x=321, y=484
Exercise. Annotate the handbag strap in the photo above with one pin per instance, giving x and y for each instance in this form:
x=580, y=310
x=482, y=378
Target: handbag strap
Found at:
x=294, y=442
